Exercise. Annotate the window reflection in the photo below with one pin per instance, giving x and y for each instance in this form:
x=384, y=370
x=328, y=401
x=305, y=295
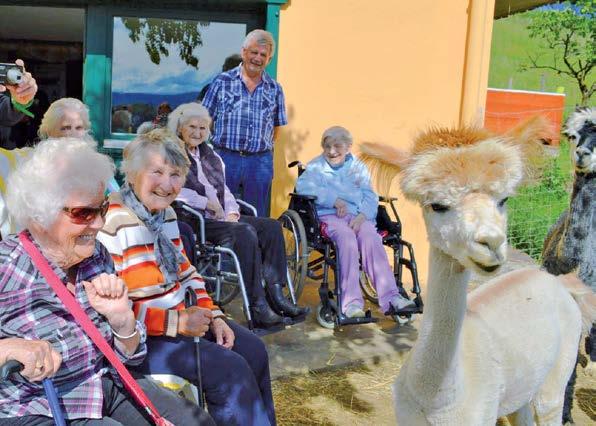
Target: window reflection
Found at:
x=158, y=64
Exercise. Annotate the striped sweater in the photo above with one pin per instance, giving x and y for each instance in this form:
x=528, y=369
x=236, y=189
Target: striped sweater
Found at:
x=130, y=243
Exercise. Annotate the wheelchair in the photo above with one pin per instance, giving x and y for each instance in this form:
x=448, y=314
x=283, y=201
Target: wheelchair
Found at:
x=219, y=266
x=311, y=253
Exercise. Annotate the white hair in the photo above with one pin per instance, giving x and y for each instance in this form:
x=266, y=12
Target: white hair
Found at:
x=337, y=134
x=260, y=37
x=161, y=141
x=145, y=127
x=577, y=121
x=183, y=113
x=56, y=111
x=56, y=169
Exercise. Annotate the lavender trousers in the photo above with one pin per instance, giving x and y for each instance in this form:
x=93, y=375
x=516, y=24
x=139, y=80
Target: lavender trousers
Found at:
x=367, y=245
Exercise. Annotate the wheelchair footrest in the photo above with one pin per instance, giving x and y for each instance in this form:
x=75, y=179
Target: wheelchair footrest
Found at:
x=350, y=321
x=410, y=310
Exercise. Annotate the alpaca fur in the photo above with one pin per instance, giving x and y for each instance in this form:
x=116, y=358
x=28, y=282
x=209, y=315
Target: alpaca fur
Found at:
x=508, y=347
x=570, y=245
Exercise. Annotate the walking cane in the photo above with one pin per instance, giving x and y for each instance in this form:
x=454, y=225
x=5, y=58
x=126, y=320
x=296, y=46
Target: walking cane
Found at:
x=15, y=367
x=190, y=299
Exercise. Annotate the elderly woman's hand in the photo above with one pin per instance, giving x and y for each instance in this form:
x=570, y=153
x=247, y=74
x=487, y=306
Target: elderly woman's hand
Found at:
x=357, y=222
x=194, y=321
x=108, y=295
x=39, y=358
x=224, y=336
x=25, y=90
x=215, y=207
x=341, y=207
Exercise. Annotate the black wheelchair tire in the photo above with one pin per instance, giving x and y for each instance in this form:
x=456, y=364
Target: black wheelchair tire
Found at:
x=296, y=250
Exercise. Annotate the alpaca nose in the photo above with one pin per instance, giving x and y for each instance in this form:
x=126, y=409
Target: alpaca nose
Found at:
x=492, y=239
x=581, y=152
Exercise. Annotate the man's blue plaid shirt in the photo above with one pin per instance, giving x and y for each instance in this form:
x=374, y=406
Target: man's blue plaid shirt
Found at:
x=244, y=121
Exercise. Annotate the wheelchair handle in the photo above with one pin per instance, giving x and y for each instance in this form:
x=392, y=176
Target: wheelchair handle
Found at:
x=387, y=199
x=10, y=367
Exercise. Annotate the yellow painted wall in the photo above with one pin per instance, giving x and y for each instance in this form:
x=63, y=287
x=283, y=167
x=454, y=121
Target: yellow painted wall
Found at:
x=382, y=68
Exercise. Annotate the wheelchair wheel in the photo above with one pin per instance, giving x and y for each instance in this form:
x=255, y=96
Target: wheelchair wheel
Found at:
x=368, y=289
x=296, y=250
x=325, y=317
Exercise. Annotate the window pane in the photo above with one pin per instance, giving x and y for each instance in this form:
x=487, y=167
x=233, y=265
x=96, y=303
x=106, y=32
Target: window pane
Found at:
x=165, y=61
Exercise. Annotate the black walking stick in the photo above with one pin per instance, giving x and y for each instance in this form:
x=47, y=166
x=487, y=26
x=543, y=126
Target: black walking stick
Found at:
x=190, y=299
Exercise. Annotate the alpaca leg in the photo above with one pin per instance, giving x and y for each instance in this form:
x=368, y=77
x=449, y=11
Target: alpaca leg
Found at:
x=548, y=403
x=522, y=417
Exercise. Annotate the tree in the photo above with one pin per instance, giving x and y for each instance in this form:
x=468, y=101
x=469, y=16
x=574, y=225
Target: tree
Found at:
x=568, y=32
x=160, y=33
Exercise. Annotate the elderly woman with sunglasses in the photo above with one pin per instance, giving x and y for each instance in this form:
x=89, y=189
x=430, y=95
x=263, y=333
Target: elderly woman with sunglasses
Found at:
x=142, y=235
x=58, y=195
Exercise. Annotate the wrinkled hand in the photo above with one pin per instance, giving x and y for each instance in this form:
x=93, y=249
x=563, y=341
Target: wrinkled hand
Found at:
x=26, y=90
x=357, y=222
x=194, y=321
x=39, y=358
x=233, y=217
x=108, y=295
x=224, y=336
x=214, y=207
x=341, y=207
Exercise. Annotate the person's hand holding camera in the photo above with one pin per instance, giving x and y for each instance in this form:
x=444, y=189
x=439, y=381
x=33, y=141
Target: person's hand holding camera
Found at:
x=23, y=92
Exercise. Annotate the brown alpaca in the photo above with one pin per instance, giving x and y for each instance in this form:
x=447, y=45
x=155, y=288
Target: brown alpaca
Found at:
x=508, y=347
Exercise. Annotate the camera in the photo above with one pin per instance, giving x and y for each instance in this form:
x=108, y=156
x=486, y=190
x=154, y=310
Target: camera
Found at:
x=11, y=74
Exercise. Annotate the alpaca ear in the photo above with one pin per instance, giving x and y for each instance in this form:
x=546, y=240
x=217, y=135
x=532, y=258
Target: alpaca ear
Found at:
x=534, y=139
x=384, y=162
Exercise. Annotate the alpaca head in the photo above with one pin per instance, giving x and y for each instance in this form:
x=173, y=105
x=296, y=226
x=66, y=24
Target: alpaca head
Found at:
x=462, y=179
x=581, y=131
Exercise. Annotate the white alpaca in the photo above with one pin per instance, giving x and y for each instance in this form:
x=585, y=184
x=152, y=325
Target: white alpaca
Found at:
x=508, y=347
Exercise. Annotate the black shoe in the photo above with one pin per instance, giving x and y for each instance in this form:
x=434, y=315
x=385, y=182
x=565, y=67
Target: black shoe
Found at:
x=282, y=305
x=264, y=317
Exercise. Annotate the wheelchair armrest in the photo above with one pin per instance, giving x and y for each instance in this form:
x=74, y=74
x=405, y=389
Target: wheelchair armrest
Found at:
x=181, y=205
x=303, y=196
x=246, y=207
x=387, y=199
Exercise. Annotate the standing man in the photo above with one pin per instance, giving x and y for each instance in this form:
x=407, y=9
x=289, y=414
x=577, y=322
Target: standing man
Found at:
x=13, y=107
x=247, y=105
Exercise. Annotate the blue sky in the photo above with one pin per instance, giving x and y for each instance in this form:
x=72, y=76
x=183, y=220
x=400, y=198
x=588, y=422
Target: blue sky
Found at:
x=133, y=71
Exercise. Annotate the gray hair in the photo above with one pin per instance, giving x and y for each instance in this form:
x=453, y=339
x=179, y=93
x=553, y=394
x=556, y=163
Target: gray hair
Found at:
x=260, y=37
x=55, y=112
x=160, y=141
x=183, y=113
x=56, y=169
x=336, y=134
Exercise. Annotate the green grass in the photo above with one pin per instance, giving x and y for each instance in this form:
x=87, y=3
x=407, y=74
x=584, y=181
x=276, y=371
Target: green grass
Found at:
x=510, y=46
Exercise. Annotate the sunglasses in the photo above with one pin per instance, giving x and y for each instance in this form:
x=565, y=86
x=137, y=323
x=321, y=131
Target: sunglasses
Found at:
x=86, y=215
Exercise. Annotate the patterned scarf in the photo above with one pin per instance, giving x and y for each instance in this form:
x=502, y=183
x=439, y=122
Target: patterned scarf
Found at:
x=212, y=169
x=166, y=254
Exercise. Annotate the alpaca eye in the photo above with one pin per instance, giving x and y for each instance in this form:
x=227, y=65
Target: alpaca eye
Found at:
x=439, y=208
x=503, y=201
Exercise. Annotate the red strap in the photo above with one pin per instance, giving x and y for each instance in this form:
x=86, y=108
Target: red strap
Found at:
x=87, y=325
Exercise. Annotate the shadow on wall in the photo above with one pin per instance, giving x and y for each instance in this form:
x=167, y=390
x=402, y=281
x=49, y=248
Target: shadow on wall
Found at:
x=288, y=146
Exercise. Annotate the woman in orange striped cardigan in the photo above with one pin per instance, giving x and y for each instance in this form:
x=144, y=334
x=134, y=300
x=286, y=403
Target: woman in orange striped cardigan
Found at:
x=142, y=235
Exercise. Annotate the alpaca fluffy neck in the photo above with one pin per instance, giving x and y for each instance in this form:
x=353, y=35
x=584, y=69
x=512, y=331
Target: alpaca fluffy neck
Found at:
x=435, y=371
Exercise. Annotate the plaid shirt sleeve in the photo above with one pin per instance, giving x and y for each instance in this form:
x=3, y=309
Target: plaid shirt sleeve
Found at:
x=280, y=118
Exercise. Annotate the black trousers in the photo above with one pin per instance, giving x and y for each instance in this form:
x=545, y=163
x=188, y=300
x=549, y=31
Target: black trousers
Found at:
x=120, y=409
x=236, y=382
x=259, y=244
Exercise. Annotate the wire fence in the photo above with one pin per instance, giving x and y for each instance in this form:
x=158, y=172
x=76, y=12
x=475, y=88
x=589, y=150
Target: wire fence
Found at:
x=535, y=209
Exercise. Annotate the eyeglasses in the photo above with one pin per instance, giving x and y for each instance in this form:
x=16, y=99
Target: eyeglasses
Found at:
x=86, y=215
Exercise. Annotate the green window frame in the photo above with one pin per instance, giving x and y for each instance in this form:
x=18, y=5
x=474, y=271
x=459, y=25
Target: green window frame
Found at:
x=97, y=68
